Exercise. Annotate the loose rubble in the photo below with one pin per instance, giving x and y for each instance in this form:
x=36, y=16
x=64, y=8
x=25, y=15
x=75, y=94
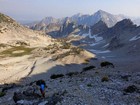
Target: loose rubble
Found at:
x=83, y=88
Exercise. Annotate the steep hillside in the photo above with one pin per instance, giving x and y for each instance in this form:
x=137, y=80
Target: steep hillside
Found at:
x=25, y=52
x=11, y=33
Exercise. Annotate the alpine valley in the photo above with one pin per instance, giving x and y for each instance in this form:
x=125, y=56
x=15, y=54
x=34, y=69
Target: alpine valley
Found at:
x=84, y=60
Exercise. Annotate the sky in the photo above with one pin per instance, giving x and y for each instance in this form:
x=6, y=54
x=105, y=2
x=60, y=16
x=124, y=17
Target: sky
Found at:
x=38, y=9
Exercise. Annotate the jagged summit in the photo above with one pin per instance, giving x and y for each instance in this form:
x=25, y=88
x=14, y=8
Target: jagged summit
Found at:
x=83, y=19
x=57, y=25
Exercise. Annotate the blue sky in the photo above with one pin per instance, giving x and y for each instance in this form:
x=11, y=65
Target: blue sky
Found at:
x=38, y=9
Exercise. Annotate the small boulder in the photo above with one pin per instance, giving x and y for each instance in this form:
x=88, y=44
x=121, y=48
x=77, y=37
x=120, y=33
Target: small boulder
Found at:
x=131, y=89
x=107, y=64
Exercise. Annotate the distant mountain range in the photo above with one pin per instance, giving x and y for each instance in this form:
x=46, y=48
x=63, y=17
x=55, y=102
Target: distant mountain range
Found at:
x=53, y=26
x=102, y=30
x=80, y=19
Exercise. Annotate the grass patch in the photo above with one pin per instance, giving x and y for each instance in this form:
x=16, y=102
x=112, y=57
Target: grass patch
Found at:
x=9, y=52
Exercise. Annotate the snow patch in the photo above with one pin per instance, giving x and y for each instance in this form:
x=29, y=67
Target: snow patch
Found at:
x=134, y=38
x=98, y=51
x=43, y=103
x=73, y=26
x=106, y=45
x=96, y=37
x=107, y=57
x=93, y=44
x=107, y=19
x=74, y=35
x=85, y=35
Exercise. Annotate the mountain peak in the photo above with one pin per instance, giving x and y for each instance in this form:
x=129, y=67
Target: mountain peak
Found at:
x=77, y=15
x=106, y=17
x=48, y=20
x=101, y=12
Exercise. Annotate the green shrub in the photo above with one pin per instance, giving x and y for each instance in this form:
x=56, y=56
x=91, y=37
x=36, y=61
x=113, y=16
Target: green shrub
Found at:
x=89, y=85
x=105, y=79
x=107, y=64
x=2, y=94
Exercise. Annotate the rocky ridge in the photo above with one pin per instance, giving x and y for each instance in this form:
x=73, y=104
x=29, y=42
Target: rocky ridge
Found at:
x=80, y=19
